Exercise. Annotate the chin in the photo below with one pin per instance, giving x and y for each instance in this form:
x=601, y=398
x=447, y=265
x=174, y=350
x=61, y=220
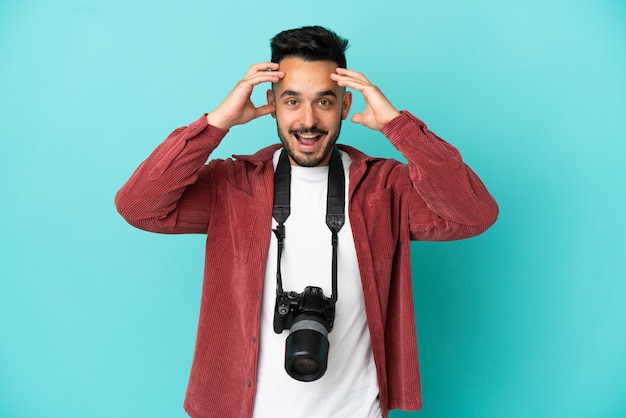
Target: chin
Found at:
x=304, y=160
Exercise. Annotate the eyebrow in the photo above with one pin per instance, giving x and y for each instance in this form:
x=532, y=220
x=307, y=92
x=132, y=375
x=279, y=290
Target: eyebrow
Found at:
x=297, y=93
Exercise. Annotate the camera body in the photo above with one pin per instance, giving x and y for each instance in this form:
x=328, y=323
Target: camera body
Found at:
x=312, y=302
x=309, y=317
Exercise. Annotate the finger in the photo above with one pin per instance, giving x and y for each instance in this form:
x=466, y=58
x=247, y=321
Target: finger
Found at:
x=262, y=66
x=273, y=76
x=264, y=76
x=351, y=73
x=351, y=82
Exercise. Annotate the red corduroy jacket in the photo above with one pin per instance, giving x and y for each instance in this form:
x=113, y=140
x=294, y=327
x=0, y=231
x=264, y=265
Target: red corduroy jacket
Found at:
x=434, y=197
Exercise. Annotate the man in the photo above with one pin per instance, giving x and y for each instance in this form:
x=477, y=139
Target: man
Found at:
x=239, y=367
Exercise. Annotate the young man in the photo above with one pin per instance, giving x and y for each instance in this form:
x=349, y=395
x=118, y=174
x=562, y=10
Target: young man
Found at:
x=241, y=364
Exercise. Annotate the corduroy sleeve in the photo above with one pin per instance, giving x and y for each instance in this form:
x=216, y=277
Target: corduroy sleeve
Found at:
x=459, y=205
x=170, y=191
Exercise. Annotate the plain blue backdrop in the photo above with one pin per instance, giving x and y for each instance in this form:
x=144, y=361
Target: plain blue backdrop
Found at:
x=98, y=319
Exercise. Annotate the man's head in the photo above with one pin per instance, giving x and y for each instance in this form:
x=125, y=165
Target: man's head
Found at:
x=309, y=105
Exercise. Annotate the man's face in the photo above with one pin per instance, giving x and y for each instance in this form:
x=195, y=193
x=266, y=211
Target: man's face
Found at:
x=309, y=110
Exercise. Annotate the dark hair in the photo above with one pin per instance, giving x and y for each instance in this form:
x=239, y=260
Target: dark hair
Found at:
x=311, y=43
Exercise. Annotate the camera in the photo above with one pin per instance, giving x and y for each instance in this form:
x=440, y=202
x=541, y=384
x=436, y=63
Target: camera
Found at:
x=309, y=317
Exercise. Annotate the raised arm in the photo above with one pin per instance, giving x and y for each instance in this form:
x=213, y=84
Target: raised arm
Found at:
x=170, y=192
x=447, y=200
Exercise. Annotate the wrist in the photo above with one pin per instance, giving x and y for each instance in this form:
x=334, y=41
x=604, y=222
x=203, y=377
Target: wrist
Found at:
x=214, y=119
x=389, y=116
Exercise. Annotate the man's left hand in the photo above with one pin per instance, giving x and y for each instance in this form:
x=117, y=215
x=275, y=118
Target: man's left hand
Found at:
x=378, y=109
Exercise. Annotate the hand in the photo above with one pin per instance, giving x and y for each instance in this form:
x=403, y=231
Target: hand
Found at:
x=378, y=110
x=237, y=108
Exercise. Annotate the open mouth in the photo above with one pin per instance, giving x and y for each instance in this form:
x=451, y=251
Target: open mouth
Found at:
x=308, y=138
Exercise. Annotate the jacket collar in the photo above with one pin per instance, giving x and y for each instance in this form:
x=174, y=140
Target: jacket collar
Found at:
x=260, y=157
x=265, y=154
x=358, y=167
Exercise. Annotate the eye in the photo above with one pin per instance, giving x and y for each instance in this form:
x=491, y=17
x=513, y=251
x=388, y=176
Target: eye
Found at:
x=291, y=102
x=325, y=102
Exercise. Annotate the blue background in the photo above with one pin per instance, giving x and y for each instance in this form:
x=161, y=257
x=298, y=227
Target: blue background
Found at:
x=98, y=319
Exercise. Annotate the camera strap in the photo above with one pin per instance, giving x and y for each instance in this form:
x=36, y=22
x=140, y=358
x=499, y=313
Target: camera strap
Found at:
x=335, y=208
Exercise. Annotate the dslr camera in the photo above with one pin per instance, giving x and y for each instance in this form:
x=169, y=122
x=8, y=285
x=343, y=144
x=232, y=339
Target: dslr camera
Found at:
x=309, y=317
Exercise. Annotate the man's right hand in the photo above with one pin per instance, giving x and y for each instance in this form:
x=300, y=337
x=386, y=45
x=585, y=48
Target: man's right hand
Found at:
x=238, y=108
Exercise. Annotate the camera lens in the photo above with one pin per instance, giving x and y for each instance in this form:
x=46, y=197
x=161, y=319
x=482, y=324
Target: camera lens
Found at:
x=305, y=366
x=306, y=352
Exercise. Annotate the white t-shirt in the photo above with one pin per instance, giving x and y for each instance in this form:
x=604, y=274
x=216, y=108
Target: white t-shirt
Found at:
x=349, y=387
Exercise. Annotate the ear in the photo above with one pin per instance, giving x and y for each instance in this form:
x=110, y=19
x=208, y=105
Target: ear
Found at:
x=271, y=102
x=346, y=102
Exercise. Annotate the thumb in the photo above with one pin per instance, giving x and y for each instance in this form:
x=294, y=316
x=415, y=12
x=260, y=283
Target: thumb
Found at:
x=264, y=110
x=357, y=118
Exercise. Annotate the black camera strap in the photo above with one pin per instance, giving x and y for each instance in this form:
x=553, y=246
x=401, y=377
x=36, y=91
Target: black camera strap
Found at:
x=335, y=208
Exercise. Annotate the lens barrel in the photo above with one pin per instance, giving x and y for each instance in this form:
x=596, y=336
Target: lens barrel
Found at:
x=306, y=349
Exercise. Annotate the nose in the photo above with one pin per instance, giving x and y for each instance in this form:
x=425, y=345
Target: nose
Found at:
x=308, y=116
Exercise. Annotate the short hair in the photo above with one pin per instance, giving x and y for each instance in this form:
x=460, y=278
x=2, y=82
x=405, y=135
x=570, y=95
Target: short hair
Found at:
x=310, y=43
